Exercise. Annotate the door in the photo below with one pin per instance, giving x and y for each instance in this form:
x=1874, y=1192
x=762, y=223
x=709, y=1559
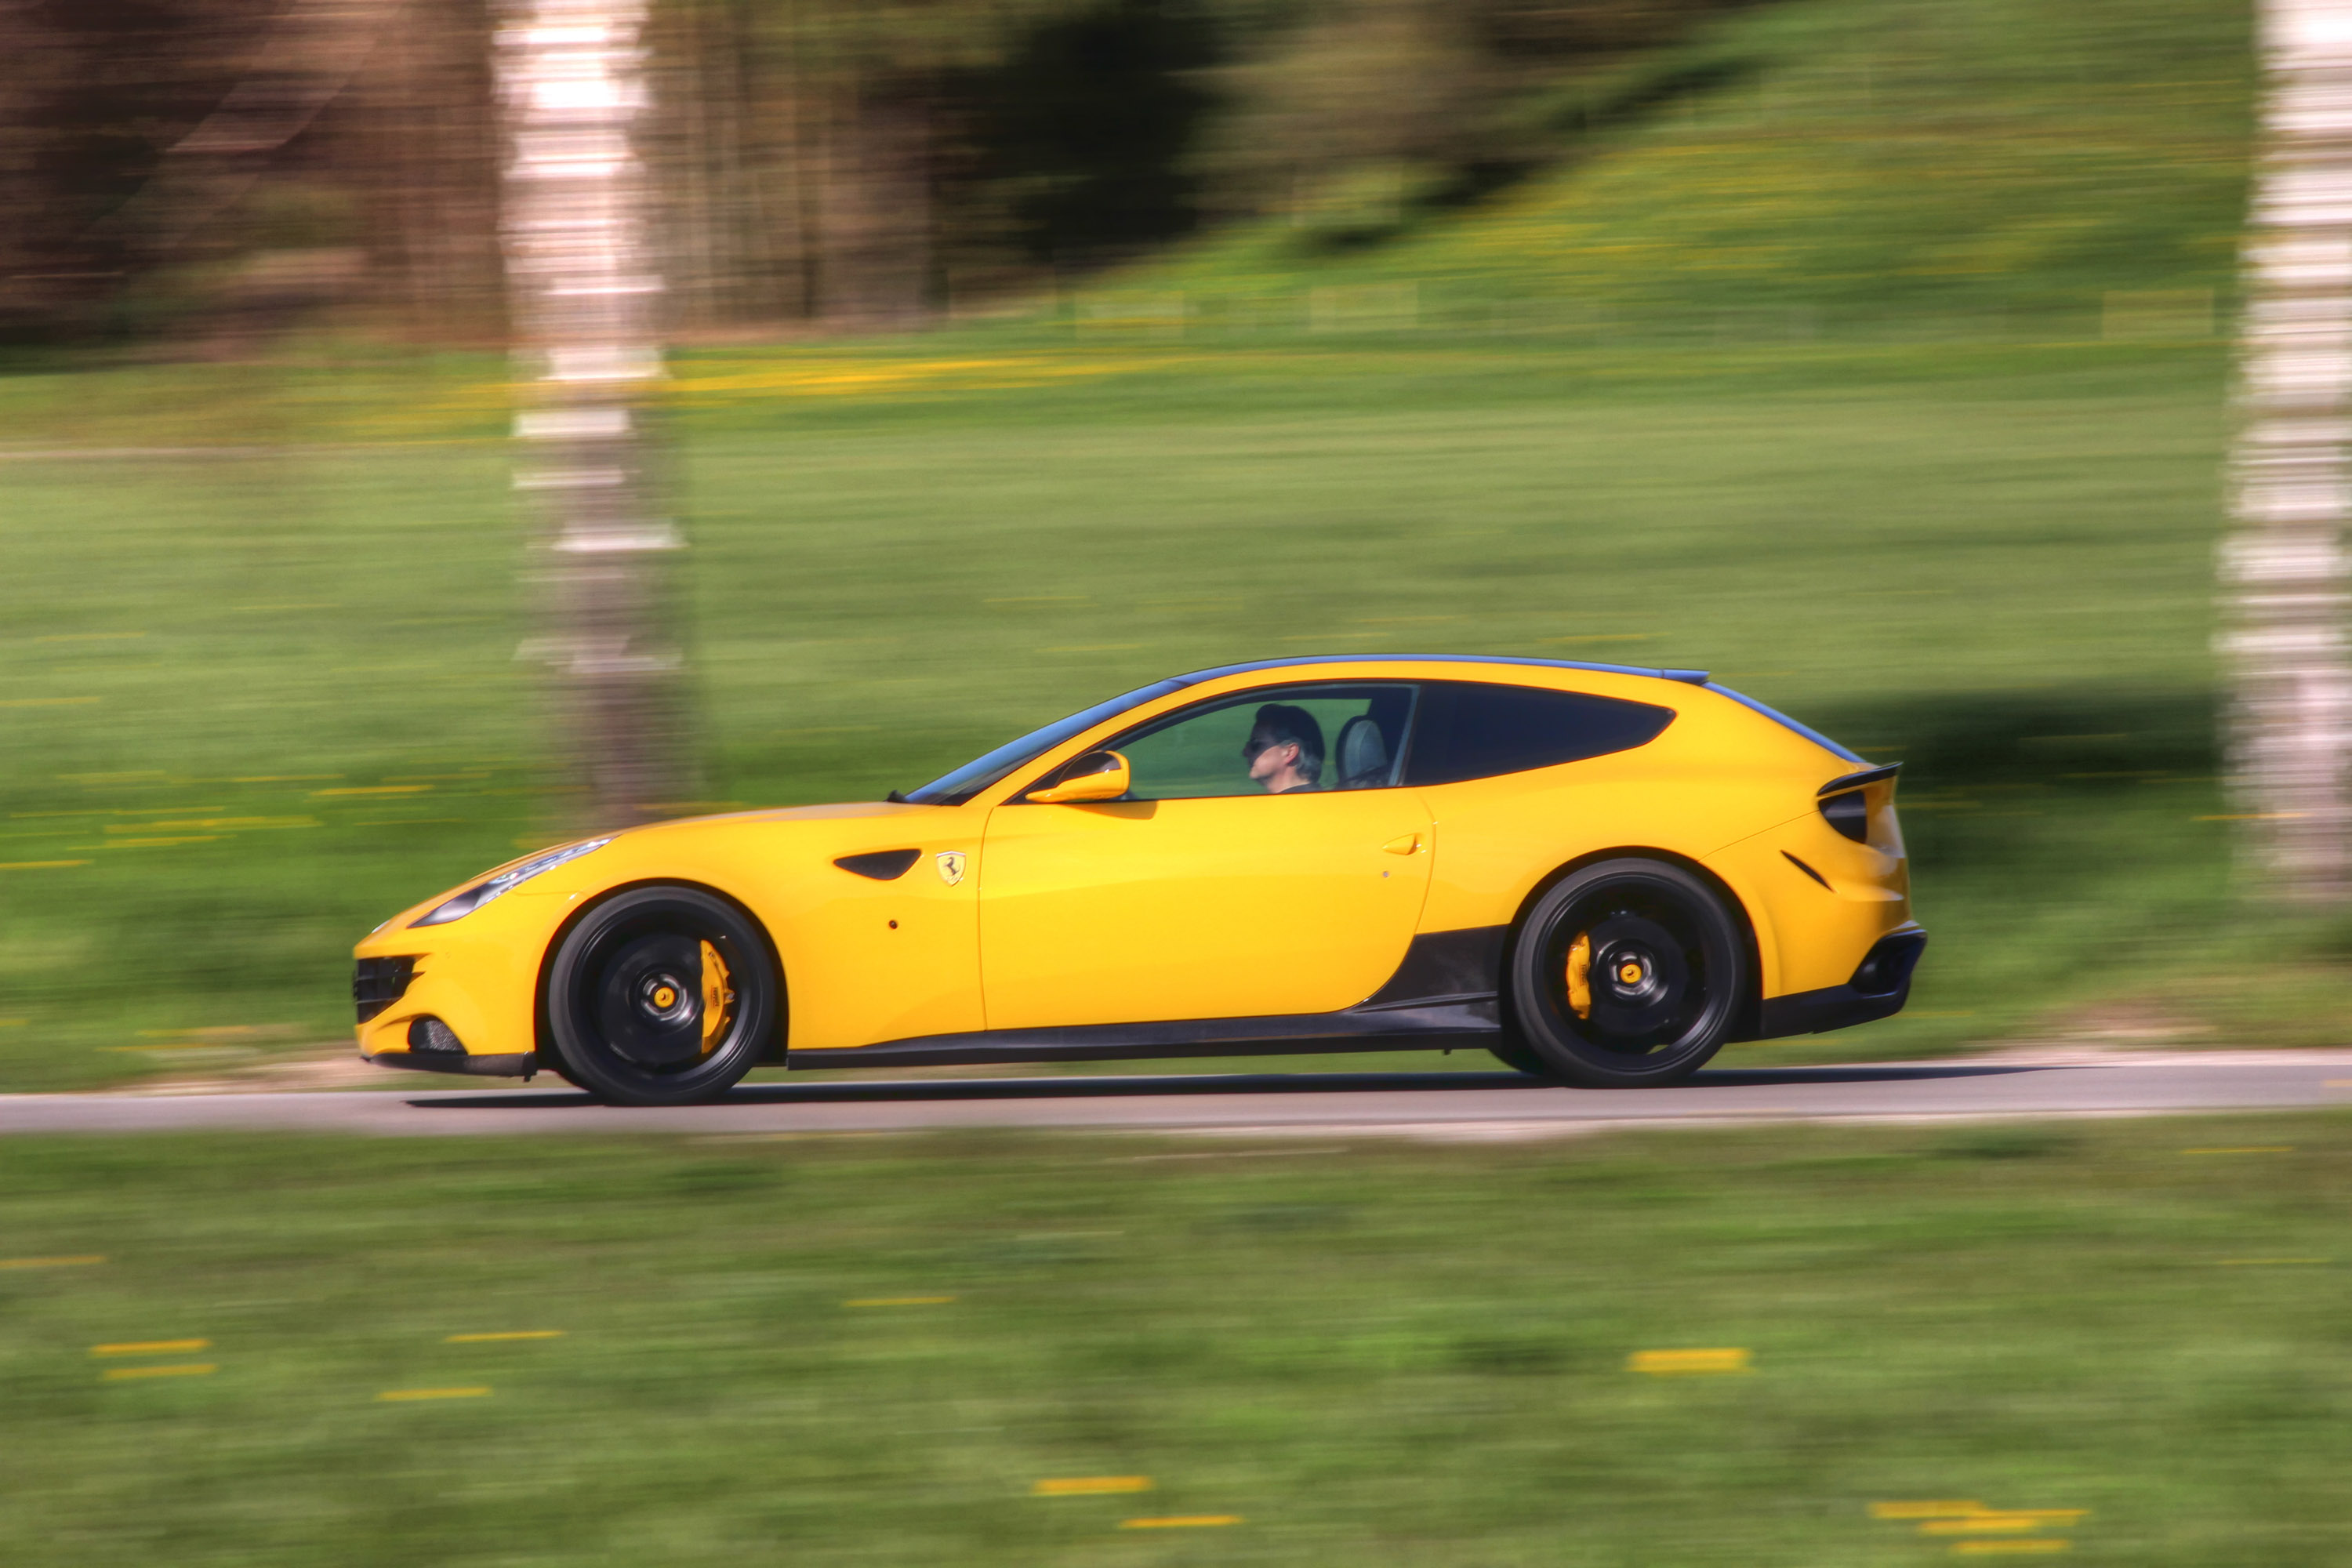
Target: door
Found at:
x=1265, y=861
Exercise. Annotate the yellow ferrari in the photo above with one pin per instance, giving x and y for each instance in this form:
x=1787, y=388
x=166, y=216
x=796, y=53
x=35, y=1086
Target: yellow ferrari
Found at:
x=1601, y=874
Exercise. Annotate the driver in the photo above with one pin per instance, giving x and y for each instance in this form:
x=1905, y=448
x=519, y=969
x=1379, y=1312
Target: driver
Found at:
x=1284, y=751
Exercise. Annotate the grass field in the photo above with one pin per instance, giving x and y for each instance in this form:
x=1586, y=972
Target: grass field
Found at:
x=263, y=683
x=872, y=1350
x=261, y=701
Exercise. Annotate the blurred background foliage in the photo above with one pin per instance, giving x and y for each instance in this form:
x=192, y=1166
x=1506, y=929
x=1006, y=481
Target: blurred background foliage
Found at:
x=1870, y=352
x=201, y=167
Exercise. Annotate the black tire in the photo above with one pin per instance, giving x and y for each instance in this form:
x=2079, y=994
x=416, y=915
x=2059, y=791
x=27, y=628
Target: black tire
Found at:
x=1516, y=1055
x=1664, y=971
x=637, y=1014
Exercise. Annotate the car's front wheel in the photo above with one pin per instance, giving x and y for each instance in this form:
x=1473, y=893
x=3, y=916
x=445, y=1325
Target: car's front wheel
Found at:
x=1627, y=973
x=660, y=995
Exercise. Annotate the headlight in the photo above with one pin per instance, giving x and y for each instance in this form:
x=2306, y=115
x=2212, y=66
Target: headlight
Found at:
x=481, y=893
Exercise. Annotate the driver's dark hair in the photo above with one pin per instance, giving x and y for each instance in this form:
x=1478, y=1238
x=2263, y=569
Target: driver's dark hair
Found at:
x=1285, y=723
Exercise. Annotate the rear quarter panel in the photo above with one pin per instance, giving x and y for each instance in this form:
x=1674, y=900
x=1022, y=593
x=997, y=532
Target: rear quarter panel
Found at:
x=1719, y=774
x=1821, y=932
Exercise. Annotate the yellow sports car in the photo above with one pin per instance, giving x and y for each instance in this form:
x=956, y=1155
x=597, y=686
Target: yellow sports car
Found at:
x=1601, y=874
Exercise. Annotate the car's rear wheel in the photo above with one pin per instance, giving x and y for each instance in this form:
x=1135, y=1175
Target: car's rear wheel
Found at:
x=1627, y=973
x=660, y=995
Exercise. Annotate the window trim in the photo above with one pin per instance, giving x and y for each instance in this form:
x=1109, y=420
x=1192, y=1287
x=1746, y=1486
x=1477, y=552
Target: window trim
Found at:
x=1175, y=716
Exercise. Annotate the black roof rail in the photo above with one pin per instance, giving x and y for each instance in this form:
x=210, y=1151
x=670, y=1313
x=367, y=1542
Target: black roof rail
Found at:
x=1688, y=676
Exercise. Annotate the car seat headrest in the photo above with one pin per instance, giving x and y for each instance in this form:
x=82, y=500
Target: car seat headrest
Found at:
x=1362, y=754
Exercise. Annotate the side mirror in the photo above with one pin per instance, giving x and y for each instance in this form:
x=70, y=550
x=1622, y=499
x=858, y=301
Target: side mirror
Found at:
x=1098, y=775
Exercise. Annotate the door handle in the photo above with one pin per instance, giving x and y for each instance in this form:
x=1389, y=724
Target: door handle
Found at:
x=1404, y=844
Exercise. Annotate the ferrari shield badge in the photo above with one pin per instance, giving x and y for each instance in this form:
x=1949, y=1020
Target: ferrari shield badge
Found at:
x=950, y=864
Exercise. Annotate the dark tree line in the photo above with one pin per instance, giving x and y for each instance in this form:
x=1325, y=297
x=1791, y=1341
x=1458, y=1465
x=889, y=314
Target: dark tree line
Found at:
x=209, y=169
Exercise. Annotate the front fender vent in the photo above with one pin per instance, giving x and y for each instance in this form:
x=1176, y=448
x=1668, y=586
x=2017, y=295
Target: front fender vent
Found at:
x=883, y=865
x=378, y=983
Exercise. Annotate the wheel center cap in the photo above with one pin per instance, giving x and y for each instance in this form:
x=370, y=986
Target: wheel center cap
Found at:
x=665, y=999
x=1631, y=974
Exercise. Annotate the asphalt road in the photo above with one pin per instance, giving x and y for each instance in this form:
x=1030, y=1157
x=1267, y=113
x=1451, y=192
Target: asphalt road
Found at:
x=1450, y=1105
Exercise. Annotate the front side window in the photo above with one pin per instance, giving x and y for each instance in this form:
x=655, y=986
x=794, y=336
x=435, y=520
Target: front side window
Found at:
x=1275, y=741
x=1472, y=729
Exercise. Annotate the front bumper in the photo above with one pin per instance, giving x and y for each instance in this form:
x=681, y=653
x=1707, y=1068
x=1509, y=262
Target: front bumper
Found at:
x=468, y=987
x=1880, y=987
x=520, y=1064
x=429, y=1044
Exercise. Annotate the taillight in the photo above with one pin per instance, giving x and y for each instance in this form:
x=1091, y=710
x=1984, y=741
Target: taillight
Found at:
x=1845, y=802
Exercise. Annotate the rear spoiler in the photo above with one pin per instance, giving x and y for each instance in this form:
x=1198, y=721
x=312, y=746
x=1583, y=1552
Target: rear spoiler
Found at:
x=1855, y=781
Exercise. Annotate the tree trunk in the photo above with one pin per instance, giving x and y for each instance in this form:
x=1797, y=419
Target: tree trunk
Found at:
x=2283, y=566
x=581, y=281
x=878, y=213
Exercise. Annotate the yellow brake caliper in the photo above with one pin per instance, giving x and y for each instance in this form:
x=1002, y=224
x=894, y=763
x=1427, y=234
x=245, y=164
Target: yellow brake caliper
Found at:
x=717, y=1002
x=1579, y=975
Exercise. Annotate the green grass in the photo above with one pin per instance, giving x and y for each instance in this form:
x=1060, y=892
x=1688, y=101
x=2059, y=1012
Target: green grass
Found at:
x=1935, y=512
x=1379, y=1355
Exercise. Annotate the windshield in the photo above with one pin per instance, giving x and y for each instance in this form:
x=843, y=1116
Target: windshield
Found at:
x=955, y=788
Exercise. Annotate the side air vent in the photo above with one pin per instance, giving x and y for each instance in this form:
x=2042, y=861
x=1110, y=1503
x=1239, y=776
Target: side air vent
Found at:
x=1808, y=870
x=378, y=983
x=430, y=1034
x=883, y=865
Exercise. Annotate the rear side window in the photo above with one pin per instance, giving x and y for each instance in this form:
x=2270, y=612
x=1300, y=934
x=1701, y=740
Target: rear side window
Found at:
x=1473, y=731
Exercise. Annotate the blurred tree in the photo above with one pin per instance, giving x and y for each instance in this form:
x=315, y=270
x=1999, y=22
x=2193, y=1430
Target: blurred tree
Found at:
x=1348, y=115
x=816, y=141
x=2285, y=573
x=96, y=95
x=414, y=143
x=1366, y=89
x=1074, y=150
x=228, y=167
x=582, y=272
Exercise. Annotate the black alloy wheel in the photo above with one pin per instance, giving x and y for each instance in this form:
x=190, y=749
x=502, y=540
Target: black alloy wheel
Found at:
x=1628, y=974
x=660, y=995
